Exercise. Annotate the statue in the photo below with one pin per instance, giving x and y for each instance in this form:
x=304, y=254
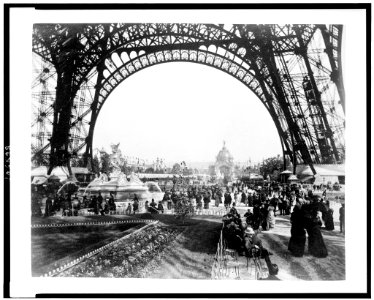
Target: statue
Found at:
x=116, y=160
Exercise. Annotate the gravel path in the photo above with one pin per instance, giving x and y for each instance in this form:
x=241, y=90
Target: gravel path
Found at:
x=191, y=255
x=307, y=267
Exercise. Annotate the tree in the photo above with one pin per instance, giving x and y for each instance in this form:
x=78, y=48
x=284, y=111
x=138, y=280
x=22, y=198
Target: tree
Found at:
x=212, y=171
x=78, y=162
x=160, y=171
x=187, y=171
x=125, y=168
x=238, y=170
x=95, y=165
x=40, y=159
x=149, y=170
x=105, y=163
x=128, y=169
x=271, y=166
x=184, y=209
x=176, y=169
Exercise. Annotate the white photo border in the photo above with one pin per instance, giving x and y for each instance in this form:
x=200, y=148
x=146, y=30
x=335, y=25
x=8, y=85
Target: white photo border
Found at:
x=22, y=284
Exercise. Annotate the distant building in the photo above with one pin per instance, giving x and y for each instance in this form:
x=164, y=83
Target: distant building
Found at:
x=325, y=173
x=224, y=164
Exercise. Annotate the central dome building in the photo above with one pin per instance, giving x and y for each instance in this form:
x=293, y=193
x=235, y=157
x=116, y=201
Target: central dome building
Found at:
x=225, y=162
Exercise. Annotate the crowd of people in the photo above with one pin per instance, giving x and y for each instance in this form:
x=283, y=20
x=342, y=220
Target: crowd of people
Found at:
x=266, y=201
x=308, y=212
x=68, y=204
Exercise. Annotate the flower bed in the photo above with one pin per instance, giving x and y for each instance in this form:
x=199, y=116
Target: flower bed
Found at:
x=128, y=257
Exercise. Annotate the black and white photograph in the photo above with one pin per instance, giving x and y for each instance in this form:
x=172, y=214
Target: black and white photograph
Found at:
x=191, y=145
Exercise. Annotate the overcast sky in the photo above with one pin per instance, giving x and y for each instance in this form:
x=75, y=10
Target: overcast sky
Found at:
x=184, y=111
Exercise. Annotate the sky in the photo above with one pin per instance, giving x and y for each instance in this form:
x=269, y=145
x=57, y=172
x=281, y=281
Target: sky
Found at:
x=183, y=111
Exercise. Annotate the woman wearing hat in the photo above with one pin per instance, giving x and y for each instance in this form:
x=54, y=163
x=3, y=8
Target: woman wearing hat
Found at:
x=48, y=206
x=329, y=219
x=316, y=244
x=298, y=238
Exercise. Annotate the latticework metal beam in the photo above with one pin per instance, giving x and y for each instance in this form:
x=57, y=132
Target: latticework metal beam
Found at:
x=282, y=64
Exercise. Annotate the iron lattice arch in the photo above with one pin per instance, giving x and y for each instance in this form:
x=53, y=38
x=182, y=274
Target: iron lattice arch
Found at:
x=295, y=71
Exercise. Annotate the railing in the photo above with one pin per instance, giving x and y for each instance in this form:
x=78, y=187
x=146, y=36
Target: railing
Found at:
x=132, y=221
x=218, y=268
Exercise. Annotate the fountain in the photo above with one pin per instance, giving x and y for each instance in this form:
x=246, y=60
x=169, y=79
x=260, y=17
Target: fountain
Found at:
x=124, y=188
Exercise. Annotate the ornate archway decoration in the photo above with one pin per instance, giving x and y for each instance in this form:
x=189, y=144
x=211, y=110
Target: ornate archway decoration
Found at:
x=116, y=70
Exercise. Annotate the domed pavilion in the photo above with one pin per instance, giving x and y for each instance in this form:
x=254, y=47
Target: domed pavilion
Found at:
x=225, y=162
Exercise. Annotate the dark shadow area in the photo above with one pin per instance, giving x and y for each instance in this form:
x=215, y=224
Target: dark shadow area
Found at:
x=200, y=235
x=55, y=246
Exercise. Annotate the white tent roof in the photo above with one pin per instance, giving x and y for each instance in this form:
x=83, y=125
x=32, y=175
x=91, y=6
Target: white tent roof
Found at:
x=323, y=170
x=61, y=172
x=292, y=177
x=42, y=171
x=286, y=172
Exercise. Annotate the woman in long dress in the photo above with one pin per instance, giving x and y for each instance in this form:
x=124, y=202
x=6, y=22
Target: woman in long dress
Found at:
x=217, y=199
x=256, y=217
x=329, y=218
x=316, y=244
x=297, y=241
x=207, y=200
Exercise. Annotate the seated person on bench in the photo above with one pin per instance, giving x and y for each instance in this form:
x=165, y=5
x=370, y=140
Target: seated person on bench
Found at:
x=254, y=248
x=233, y=236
